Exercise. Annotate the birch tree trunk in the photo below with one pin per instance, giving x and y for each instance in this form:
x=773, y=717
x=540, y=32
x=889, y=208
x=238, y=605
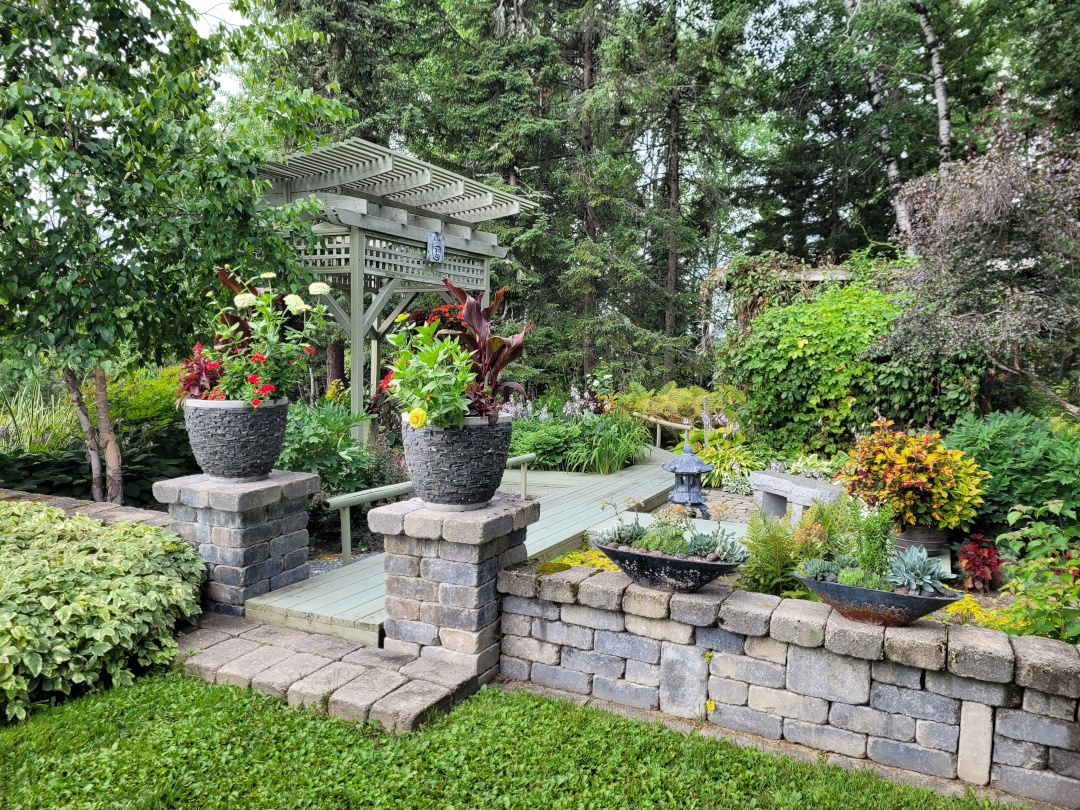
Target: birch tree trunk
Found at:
x=71, y=382
x=941, y=94
x=114, y=482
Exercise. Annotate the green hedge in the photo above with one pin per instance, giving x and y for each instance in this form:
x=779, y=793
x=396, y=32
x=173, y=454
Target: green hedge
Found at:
x=81, y=603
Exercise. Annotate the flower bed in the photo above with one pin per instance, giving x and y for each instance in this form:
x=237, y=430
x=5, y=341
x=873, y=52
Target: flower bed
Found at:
x=82, y=604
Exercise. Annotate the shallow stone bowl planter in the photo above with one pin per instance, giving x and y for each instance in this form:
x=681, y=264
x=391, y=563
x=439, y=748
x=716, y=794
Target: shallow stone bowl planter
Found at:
x=232, y=441
x=663, y=573
x=870, y=606
x=457, y=469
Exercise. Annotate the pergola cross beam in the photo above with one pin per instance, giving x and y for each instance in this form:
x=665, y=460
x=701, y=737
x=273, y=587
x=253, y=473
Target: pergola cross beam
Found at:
x=380, y=210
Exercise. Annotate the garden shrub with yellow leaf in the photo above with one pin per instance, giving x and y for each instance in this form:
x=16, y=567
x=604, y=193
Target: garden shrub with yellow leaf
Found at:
x=82, y=604
x=925, y=483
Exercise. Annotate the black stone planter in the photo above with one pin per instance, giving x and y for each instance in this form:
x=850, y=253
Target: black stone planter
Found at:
x=666, y=573
x=233, y=441
x=870, y=606
x=935, y=541
x=457, y=469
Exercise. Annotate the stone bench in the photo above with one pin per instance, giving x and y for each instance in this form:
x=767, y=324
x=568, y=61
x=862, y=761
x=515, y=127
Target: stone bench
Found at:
x=776, y=492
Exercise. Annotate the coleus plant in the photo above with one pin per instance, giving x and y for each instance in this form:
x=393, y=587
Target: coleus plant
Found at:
x=491, y=354
x=980, y=561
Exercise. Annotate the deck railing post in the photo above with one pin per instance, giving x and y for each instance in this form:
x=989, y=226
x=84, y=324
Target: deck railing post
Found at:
x=346, y=535
x=524, y=481
x=657, y=434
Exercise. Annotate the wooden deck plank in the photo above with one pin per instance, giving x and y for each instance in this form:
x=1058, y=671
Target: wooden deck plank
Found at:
x=350, y=601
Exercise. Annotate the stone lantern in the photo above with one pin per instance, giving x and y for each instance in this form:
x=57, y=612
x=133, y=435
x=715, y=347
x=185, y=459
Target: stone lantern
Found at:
x=688, y=469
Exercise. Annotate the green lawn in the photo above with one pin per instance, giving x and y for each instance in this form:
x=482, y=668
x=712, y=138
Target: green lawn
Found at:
x=174, y=742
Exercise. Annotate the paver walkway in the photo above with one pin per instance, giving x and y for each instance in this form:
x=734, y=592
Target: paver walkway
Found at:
x=328, y=675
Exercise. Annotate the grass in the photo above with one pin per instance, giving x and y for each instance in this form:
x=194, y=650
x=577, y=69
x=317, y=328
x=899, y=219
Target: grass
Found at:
x=172, y=742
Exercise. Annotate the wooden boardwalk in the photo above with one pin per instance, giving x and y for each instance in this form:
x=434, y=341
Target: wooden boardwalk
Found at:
x=349, y=602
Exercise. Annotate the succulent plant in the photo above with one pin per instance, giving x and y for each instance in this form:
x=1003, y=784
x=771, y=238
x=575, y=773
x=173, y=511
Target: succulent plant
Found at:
x=722, y=543
x=844, y=561
x=628, y=533
x=917, y=573
x=815, y=568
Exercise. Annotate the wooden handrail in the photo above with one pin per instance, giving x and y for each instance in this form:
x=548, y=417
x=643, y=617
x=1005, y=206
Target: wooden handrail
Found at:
x=344, y=503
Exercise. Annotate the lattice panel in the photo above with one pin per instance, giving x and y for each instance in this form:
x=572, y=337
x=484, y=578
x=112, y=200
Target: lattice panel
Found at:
x=388, y=258
x=407, y=260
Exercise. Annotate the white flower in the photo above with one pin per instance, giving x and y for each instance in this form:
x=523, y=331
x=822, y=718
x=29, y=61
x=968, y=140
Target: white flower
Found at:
x=319, y=288
x=245, y=300
x=295, y=304
x=268, y=275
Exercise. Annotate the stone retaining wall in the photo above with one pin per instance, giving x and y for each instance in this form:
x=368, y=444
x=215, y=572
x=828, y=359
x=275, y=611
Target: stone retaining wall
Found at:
x=960, y=703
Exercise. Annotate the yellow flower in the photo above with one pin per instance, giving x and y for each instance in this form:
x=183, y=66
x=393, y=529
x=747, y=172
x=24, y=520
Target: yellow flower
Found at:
x=267, y=275
x=401, y=317
x=417, y=418
x=710, y=705
x=245, y=300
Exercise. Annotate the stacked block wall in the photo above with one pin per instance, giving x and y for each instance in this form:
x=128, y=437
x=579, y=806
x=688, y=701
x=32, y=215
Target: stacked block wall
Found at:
x=253, y=536
x=959, y=702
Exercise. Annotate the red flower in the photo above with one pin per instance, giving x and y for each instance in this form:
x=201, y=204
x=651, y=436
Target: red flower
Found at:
x=309, y=350
x=266, y=389
x=254, y=379
x=258, y=358
x=214, y=365
x=256, y=402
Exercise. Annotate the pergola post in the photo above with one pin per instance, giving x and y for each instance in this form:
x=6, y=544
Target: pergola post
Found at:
x=383, y=209
x=357, y=244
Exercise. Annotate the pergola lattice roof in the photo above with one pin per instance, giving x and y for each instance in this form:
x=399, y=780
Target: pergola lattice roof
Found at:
x=370, y=170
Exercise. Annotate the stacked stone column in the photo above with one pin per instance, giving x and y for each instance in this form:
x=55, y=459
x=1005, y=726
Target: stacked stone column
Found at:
x=441, y=568
x=253, y=536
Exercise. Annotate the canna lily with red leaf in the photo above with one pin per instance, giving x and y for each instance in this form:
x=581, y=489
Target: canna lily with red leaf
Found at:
x=491, y=354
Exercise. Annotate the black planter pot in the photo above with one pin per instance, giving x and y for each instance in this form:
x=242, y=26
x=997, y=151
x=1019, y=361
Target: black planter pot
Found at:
x=870, y=606
x=233, y=441
x=666, y=573
x=935, y=541
x=457, y=469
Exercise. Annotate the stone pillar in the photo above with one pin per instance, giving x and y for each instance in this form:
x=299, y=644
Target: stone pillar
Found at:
x=253, y=536
x=441, y=568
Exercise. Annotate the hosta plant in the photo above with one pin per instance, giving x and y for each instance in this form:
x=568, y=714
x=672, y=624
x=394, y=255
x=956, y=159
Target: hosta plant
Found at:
x=925, y=483
x=83, y=604
x=914, y=573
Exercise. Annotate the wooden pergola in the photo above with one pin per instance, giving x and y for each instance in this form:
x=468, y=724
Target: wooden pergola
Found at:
x=386, y=218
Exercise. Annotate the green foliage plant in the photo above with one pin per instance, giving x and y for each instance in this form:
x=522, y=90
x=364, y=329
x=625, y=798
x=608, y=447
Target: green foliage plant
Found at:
x=834, y=524
x=875, y=542
x=122, y=192
x=1028, y=461
x=33, y=420
x=773, y=554
x=804, y=367
x=911, y=571
x=64, y=473
x=551, y=439
x=82, y=603
x=318, y=439
x=1045, y=581
x=925, y=483
x=674, y=403
x=607, y=443
x=431, y=374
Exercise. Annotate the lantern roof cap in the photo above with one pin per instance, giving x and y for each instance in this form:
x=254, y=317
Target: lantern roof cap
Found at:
x=687, y=462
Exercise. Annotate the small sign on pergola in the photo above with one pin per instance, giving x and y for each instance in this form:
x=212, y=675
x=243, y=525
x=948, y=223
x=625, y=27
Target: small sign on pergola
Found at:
x=391, y=226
